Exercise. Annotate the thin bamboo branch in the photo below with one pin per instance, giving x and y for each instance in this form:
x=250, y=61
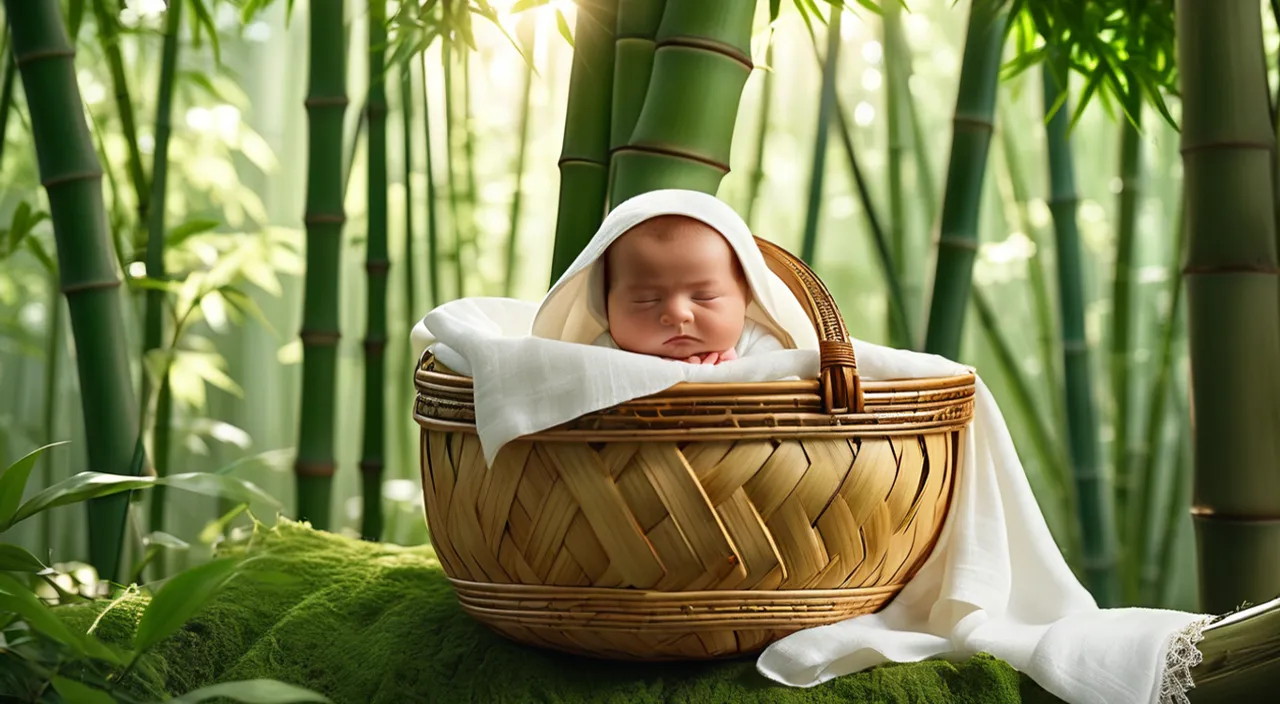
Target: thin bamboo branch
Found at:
x=826, y=104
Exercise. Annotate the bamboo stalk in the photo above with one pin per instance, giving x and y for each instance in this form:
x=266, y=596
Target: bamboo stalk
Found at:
x=372, y=453
x=325, y=216
x=109, y=35
x=1146, y=539
x=1127, y=488
x=1037, y=278
x=526, y=32
x=634, y=47
x=962, y=199
x=458, y=237
x=1233, y=305
x=6, y=91
x=72, y=176
x=896, y=95
x=406, y=117
x=762, y=135
x=896, y=298
x=826, y=104
x=584, y=156
x=153, y=333
x=1093, y=497
x=433, y=229
x=53, y=343
x=1025, y=397
x=703, y=51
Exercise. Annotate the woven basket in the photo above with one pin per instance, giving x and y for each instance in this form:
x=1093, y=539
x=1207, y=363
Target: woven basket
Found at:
x=705, y=521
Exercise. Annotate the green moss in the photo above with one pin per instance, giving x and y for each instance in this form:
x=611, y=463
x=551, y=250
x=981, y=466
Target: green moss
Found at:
x=369, y=623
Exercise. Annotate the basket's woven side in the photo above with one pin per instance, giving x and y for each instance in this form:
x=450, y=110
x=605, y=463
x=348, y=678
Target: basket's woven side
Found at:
x=820, y=513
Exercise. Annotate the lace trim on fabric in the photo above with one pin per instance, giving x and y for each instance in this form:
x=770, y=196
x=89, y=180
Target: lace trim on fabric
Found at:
x=1181, y=656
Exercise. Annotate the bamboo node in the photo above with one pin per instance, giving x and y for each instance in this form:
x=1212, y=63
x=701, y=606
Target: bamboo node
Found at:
x=320, y=338
x=705, y=44
x=671, y=152
x=33, y=56
x=304, y=468
x=54, y=181
x=98, y=285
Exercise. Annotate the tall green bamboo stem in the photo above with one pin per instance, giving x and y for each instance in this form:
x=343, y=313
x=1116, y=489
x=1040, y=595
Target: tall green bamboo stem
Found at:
x=433, y=230
x=325, y=215
x=1146, y=537
x=469, y=175
x=526, y=33
x=634, y=47
x=53, y=345
x=1094, y=505
x=6, y=92
x=1046, y=321
x=584, y=156
x=685, y=130
x=826, y=105
x=456, y=223
x=372, y=460
x=153, y=332
x=406, y=120
x=1233, y=305
x=105, y=16
x=72, y=178
x=762, y=136
x=1127, y=489
x=896, y=97
x=962, y=199
x=1025, y=396
x=896, y=298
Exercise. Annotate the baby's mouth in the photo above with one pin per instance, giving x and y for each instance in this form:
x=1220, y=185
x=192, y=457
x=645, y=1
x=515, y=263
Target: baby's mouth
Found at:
x=681, y=338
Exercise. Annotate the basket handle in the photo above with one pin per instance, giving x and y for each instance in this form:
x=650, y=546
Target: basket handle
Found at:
x=838, y=376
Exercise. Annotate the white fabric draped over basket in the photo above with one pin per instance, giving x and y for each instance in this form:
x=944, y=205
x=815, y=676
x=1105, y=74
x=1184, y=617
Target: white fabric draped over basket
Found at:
x=996, y=582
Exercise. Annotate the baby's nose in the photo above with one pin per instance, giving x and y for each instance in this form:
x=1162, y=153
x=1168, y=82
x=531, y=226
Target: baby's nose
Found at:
x=676, y=313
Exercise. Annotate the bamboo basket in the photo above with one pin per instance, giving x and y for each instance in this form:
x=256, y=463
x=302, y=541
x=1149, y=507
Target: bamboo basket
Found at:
x=705, y=521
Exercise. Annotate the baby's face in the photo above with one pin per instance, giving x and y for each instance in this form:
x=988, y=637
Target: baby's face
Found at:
x=675, y=289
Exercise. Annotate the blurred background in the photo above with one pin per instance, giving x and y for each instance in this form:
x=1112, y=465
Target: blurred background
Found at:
x=237, y=191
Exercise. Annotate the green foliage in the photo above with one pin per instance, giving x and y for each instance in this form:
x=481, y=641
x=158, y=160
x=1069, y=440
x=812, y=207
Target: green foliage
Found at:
x=1119, y=46
x=39, y=650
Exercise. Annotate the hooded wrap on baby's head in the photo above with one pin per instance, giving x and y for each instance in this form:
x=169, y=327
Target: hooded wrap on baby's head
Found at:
x=574, y=310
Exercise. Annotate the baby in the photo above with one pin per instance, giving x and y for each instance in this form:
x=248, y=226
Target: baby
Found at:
x=674, y=288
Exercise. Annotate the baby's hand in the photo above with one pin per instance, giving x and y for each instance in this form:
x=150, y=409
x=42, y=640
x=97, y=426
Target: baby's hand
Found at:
x=713, y=357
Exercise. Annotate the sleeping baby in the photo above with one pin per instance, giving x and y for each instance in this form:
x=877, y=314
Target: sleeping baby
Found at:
x=674, y=274
x=675, y=289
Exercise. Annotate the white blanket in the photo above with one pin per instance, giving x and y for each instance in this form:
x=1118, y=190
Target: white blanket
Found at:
x=995, y=582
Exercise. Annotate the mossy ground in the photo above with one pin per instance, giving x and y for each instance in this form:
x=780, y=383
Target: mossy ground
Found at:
x=368, y=623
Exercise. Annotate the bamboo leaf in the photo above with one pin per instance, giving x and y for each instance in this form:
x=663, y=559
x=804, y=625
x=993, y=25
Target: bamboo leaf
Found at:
x=563, y=25
x=166, y=540
x=523, y=5
x=16, y=598
x=215, y=528
x=189, y=229
x=179, y=599
x=75, y=18
x=202, y=17
x=252, y=692
x=775, y=6
x=15, y=559
x=219, y=485
x=245, y=304
x=37, y=250
x=81, y=487
x=14, y=482
x=203, y=81
x=78, y=693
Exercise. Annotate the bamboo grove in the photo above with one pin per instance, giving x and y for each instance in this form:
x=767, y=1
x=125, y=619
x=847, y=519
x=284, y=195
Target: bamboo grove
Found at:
x=1121, y=447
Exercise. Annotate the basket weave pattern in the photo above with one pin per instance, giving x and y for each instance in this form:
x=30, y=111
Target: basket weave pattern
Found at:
x=705, y=521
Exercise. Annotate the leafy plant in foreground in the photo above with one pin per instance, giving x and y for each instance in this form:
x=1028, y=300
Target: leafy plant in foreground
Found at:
x=43, y=659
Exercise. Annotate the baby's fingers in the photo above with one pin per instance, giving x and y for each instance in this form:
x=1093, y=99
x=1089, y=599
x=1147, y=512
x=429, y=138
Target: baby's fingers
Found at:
x=711, y=358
